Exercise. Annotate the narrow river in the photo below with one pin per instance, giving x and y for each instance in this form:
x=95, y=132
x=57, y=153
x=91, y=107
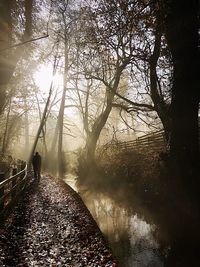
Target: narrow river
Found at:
x=130, y=237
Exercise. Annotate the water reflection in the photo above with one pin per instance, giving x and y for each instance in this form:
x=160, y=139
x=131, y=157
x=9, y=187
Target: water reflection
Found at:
x=130, y=237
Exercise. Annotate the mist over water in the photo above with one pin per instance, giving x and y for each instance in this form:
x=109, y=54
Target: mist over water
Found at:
x=130, y=237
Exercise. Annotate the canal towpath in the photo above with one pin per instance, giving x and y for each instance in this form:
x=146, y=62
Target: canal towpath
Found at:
x=52, y=227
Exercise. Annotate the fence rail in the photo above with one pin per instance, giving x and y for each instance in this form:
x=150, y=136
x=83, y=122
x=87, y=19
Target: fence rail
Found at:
x=155, y=141
x=11, y=188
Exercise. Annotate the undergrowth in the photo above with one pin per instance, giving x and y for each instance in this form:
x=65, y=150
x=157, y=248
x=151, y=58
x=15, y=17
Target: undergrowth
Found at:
x=140, y=180
x=116, y=169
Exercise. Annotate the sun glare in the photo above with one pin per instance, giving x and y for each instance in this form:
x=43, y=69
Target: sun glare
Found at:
x=44, y=76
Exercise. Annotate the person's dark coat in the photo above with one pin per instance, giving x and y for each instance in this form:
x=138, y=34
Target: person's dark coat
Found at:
x=36, y=162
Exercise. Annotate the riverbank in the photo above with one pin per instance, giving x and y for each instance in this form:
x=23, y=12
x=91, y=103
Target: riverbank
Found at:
x=51, y=226
x=142, y=183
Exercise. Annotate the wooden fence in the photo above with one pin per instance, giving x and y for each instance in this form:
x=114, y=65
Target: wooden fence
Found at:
x=155, y=141
x=11, y=188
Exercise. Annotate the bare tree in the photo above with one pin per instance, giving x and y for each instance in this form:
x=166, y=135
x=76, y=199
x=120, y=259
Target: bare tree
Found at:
x=107, y=46
x=9, y=58
x=62, y=27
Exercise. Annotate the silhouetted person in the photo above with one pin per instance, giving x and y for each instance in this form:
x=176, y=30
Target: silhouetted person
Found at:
x=36, y=161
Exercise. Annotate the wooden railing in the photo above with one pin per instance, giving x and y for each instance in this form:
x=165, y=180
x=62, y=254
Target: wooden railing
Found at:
x=11, y=188
x=155, y=141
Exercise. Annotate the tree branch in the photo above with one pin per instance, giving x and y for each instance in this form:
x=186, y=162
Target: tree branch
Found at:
x=25, y=42
x=135, y=104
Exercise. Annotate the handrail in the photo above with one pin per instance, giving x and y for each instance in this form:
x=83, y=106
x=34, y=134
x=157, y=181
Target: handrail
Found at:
x=13, y=188
x=13, y=177
x=10, y=190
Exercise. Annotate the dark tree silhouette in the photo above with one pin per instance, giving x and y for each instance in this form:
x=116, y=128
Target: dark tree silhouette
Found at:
x=182, y=37
x=10, y=56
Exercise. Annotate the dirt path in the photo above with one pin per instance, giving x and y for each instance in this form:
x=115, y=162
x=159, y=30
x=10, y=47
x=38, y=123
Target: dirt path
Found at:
x=52, y=227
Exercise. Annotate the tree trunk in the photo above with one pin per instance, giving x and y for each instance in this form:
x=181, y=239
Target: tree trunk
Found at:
x=42, y=122
x=182, y=37
x=8, y=58
x=4, y=145
x=5, y=39
x=96, y=130
x=26, y=126
x=43, y=130
x=161, y=107
x=184, y=146
x=60, y=133
x=61, y=112
x=91, y=143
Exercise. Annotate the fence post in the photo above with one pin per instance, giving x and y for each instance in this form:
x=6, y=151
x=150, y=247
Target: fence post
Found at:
x=14, y=181
x=21, y=169
x=23, y=173
x=2, y=176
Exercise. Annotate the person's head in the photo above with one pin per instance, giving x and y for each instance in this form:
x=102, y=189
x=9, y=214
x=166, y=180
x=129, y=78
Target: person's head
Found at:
x=36, y=153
